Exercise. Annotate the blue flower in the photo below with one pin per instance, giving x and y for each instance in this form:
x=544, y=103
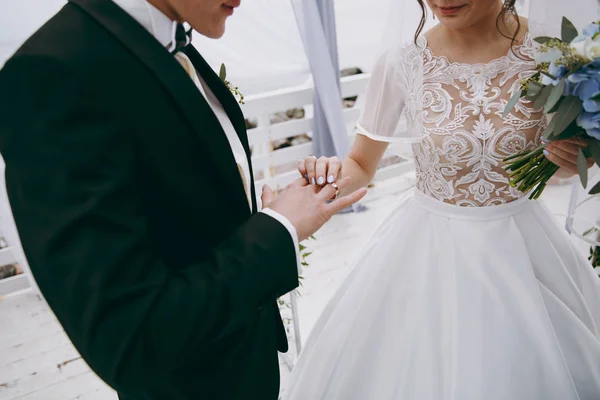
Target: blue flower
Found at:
x=591, y=123
x=586, y=90
x=591, y=30
x=581, y=75
x=559, y=71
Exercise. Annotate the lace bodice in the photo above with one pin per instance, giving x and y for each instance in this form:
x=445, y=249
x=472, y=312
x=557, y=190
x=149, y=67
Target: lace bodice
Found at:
x=459, y=109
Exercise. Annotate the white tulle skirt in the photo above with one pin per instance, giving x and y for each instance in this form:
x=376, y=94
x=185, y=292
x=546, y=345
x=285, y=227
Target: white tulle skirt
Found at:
x=454, y=303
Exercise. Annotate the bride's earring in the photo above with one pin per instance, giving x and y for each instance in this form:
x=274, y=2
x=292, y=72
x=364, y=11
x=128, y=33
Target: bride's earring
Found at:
x=509, y=11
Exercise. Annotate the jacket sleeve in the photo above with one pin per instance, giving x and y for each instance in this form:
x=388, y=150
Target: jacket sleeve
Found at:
x=71, y=179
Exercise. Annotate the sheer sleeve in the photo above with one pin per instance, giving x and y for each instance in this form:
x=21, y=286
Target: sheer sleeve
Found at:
x=388, y=114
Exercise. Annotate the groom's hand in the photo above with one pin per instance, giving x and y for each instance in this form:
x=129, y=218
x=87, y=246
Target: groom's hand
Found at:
x=306, y=206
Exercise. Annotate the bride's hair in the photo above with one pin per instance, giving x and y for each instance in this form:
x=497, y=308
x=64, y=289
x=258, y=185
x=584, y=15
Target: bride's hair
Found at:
x=509, y=10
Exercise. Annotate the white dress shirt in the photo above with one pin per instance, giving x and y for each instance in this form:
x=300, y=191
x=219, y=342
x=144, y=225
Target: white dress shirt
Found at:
x=163, y=30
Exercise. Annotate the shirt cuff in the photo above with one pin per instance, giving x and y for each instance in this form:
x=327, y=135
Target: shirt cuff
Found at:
x=291, y=229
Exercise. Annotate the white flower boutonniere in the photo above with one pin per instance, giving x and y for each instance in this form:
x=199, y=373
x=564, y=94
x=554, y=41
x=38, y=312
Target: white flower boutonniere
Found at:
x=233, y=89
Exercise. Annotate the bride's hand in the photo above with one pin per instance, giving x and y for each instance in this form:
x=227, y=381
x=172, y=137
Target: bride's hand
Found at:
x=320, y=171
x=564, y=154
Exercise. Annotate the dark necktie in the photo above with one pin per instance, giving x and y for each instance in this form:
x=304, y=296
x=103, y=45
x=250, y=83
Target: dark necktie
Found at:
x=182, y=38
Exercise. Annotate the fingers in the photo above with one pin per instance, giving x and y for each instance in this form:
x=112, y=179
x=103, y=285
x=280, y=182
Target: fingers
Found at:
x=334, y=169
x=567, y=164
x=329, y=190
x=562, y=146
x=576, y=141
x=321, y=170
x=267, y=195
x=310, y=163
x=302, y=169
x=344, y=202
x=566, y=153
x=326, y=170
x=590, y=162
x=300, y=182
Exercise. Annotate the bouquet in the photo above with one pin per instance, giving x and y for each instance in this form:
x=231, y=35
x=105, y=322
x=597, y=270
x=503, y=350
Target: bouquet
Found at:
x=567, y=87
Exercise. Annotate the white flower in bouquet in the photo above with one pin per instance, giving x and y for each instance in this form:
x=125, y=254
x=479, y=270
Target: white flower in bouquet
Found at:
x=593, y=50
x=587, y=48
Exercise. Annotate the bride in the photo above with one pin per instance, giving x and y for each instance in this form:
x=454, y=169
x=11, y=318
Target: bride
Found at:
x=469, y=290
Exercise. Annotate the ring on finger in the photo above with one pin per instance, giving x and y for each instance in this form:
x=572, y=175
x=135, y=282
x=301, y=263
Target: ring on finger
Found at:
x=337, y=189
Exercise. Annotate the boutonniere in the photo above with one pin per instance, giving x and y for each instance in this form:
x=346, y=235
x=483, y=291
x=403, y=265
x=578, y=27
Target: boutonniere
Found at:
x=233, y=89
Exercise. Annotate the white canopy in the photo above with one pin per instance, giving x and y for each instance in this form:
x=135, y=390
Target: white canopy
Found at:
x=262, y=48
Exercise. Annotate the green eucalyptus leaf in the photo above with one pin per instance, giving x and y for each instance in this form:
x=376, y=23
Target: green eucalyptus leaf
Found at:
x=567, y=112
x=223, y=72
x=572, y=131
x=543, y=97
x=595, y=189
x=548, y=56
x=549, y=131
x=596, y=97
x=543, y=39
x=568, y=31
x=534, y=89
x=594, y=149
x=582, y=168
x=555, y=95
x=512, y=102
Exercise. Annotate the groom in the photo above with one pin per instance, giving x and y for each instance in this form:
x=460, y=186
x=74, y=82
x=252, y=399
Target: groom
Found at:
x=129, y=175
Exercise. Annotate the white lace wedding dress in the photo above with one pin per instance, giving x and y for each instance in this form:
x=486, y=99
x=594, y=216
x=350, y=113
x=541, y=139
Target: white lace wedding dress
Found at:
x=468, y=291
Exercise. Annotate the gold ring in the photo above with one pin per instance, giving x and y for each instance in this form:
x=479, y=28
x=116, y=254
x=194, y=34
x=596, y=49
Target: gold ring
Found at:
x=337, y=190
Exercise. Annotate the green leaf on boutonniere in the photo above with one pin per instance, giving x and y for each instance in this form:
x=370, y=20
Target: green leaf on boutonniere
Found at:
x=512, y=102
x=596, y=97
x=567, y=112
x=543, y=97
x=582, y=168
x=568, y=31
x=555, y=95
x=595, y=189
x=223, y=72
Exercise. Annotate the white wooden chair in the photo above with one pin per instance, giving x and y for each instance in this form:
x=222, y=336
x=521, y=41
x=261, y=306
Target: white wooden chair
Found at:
x=13, y=252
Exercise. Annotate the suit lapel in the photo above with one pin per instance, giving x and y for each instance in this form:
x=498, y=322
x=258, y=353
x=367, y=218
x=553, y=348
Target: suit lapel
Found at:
x=205, y=125
x=229, y=103
x=225, y=97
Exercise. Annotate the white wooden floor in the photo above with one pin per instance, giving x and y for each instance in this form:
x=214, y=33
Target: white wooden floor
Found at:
x=37, y=361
